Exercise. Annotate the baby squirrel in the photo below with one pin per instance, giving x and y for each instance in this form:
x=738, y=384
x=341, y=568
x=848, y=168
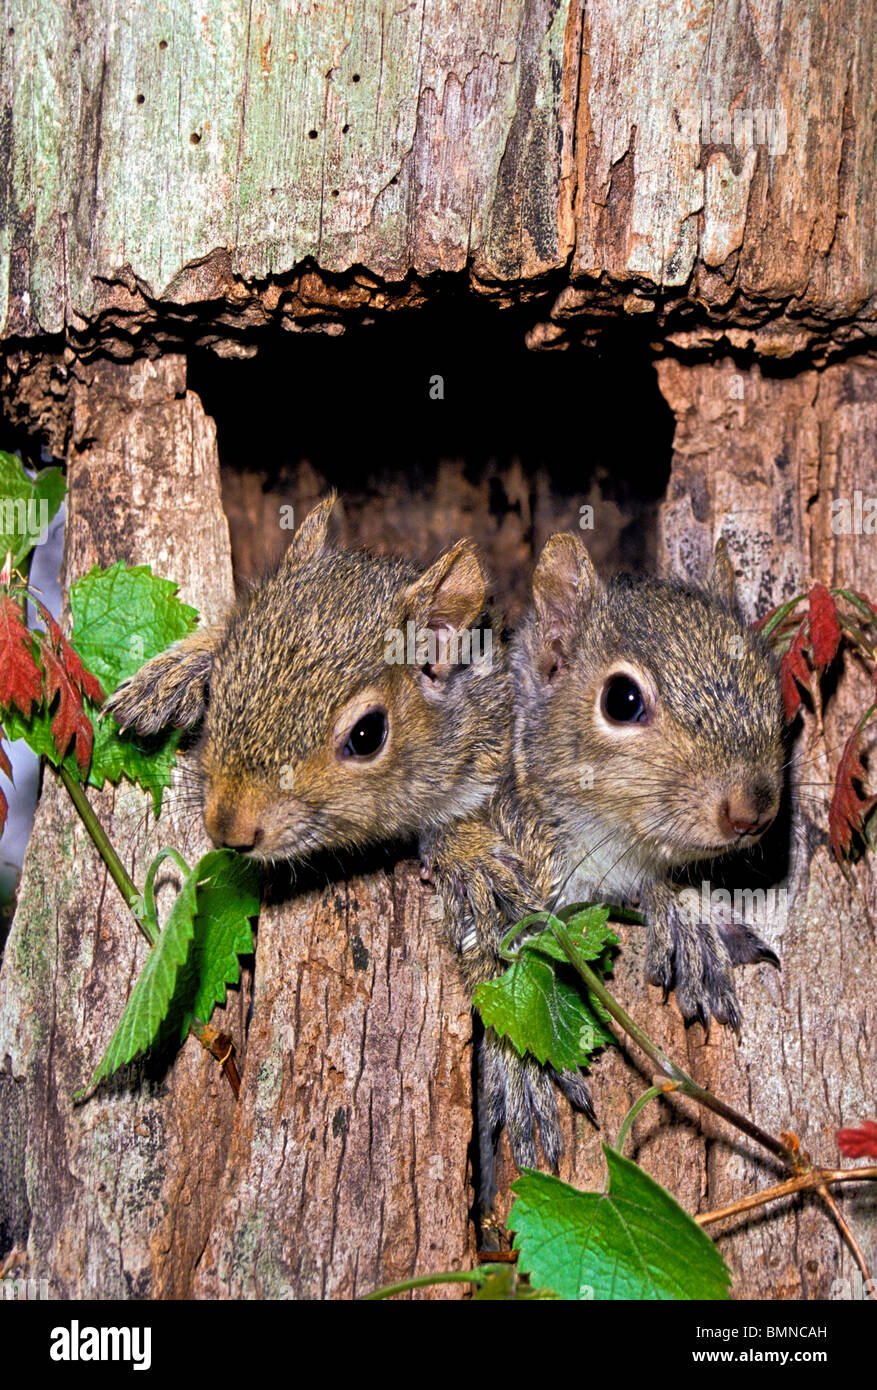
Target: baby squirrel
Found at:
x=312, y=738
x=647, y=736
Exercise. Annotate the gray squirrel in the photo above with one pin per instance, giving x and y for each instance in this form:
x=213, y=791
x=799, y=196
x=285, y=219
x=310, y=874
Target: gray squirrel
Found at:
x=647, y=736
x=312, y=735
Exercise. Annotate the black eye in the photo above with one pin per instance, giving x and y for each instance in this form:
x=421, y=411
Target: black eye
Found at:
x=623, y=702
x=367, y=735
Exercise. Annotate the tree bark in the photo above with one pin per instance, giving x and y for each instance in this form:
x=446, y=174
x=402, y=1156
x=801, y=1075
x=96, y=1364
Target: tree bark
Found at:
x=194, y=175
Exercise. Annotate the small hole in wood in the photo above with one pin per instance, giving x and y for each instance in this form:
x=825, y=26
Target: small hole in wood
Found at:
x=194, y=138
x=11, y=33
x=356, y=77
x=140, y=98
x=344, y=129
x=334, y=192
x=394, y=182
x=312, y=135
x=162, y=43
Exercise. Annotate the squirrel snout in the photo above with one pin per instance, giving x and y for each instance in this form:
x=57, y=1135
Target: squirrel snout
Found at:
x=232, y=827
x=746, y=812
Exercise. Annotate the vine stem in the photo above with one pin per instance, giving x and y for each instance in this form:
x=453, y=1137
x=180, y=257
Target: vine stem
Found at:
x=804, y=1182
x=684, y=1083
x=117, y=870
x=422, y=1281
x=651, y=1094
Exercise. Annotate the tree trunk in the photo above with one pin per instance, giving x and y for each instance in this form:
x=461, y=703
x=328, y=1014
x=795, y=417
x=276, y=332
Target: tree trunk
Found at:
x=697, y=180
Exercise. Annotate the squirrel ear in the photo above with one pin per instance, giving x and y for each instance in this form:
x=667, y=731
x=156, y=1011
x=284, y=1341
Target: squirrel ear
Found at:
x=169, y=689
x=452, y=593
x=721, y=581
x=309, y=540
x=564, y=584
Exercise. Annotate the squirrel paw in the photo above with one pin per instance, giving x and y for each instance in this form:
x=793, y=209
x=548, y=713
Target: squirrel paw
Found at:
x=697, y=958
x=693, y=959
x=743, y=946
x=519, y=1093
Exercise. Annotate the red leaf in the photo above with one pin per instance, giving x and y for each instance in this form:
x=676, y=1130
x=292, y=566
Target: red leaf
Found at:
x=4, y=808
x=859, y=1143
x=88, y=684
x=794, y=669
x=5, y=764
x=21, y=680
x=71, y=660
x=848, y=808
x=71, y=721
x=824, y=627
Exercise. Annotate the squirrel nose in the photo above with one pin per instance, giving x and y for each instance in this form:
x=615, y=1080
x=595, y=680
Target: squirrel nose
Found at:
x=232, y=829
x=746, y=812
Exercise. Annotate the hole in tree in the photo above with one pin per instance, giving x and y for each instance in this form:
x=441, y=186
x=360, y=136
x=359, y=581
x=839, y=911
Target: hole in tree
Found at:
x=516, y=445
x=194, y=138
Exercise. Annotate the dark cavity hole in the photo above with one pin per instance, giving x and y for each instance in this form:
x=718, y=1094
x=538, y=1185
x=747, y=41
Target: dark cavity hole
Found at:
x=525, y=440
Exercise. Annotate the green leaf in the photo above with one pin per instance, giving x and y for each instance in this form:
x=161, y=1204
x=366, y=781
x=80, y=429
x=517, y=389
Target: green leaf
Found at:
x=547, y=1011
x=634, y=1242
x=150, y=999
x=196, y=955
x=121, y=618
x=27, y=506
x=228, y=897
x=149, y=762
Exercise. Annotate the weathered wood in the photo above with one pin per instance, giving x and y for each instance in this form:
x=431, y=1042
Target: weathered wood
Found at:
x=348, y=1163
x=658, y=161
x=111, y=1196
x=346, y=1166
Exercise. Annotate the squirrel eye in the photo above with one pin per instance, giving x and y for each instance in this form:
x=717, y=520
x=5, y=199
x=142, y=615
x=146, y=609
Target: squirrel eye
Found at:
x=367, y=735
x=622, y=701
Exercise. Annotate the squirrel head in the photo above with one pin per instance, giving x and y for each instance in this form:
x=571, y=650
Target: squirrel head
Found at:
x=648, y=714
x=351, y=698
